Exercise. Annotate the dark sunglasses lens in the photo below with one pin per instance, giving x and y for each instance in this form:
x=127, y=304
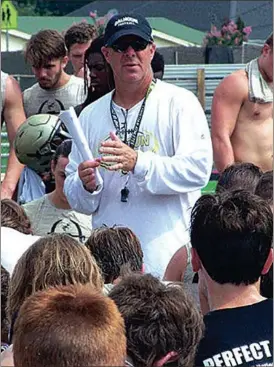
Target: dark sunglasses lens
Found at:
x=136, y=45
x=117, y=47
x=139, y=45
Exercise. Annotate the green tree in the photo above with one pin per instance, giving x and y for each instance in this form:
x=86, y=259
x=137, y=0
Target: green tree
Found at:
x=30, y=8
x=48, y=7
x=61, y=7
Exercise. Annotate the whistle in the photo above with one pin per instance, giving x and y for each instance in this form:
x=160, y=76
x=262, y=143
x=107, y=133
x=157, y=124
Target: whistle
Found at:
x=124, y=194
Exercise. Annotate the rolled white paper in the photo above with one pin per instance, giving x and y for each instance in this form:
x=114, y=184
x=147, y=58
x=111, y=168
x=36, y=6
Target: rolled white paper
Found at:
x=74, y=127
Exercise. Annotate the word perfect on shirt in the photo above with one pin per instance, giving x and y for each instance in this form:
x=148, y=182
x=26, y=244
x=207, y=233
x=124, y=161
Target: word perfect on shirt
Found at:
x=241, y=355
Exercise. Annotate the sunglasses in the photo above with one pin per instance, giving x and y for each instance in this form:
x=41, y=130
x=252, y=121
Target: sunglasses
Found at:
x=122, y=46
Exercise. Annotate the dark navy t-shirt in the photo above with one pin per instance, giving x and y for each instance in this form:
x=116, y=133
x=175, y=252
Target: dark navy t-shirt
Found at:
x=241, y=336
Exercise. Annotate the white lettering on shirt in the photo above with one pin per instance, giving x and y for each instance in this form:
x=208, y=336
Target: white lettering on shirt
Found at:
x=240, y=355
x=255, y=350
x=229, y=359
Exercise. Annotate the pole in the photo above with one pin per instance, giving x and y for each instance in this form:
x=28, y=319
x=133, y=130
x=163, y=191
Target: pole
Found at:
x=233, y=10
x=243, y=52
x=7, y=40
x=176, y=57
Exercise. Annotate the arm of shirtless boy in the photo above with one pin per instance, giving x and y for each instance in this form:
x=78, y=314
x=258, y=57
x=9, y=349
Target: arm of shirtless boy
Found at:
x=227, y=101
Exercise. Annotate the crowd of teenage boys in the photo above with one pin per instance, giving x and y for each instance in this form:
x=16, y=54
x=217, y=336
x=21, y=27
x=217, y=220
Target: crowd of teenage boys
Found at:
x=136, y=268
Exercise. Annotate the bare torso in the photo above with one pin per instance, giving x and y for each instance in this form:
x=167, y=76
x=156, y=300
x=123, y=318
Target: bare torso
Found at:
x=252, y=138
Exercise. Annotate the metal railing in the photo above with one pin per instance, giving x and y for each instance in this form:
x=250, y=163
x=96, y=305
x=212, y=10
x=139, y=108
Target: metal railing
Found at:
x=201, y=79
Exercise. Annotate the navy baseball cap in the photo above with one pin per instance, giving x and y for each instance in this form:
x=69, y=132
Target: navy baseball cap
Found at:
x=126, y=25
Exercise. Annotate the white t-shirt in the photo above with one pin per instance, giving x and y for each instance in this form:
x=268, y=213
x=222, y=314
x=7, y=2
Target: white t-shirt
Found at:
x=174, y=162
x=13, y=245
x=45, y=218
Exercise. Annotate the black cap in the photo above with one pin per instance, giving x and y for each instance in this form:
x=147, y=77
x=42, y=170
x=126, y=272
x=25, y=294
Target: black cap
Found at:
x=126, y=25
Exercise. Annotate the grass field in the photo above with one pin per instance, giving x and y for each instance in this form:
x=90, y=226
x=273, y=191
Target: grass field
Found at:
x=210, y=188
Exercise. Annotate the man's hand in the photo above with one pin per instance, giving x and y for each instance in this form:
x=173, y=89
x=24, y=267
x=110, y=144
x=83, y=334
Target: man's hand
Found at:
x=86, y=171
x=123, y=157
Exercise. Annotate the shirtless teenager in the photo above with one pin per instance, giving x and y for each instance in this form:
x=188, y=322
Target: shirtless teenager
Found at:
x=13, y=115
x=242, y=122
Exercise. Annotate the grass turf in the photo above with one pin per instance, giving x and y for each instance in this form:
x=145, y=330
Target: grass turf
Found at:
x=210, y=188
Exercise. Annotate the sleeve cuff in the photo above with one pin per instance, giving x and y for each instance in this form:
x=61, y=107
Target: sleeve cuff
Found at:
x=142, y=166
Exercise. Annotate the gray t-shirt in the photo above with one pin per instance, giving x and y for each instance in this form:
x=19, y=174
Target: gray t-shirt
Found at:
x=38, y=100
x=46, y=218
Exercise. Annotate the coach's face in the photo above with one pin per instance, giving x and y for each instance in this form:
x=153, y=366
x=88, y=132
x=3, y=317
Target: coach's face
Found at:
x=130, y=58
x=49, y=74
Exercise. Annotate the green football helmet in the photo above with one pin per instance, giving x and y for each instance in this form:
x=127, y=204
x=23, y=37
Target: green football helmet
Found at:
x=37, y=139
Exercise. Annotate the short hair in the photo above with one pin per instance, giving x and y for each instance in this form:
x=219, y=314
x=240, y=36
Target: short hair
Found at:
x=14, y=216
x=45, y=46
x=232, y=234
x=113, y=248
x=158, y=62
x=5, y=279
x=71, y=325
x=264, y=188
x=56, y=259
x=269, y=40
x=159, y=318
x=237, y=176
x=63, y=150
x=81, y=32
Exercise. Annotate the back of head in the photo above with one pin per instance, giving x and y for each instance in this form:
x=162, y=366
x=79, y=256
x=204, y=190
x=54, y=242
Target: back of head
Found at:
x=264, y=188
x=56, y=259
x=158, y=63
x=269, y=40
x=113, y=248
x=69, y=326
x=238, y=176
x=159, y=319
x=232, y=235
x=45, y=46
x=14, y=216
x=82, y=32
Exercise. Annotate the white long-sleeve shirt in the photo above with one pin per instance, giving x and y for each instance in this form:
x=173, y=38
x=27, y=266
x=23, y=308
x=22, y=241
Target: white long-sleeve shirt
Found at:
x=174, y=163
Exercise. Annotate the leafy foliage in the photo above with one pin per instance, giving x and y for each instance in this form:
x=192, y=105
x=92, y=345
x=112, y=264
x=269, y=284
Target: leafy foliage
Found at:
x=230, y=34
x=101, y=22
x=48, y=7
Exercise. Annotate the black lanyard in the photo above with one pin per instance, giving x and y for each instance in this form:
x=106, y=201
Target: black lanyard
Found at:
x=136, y=129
